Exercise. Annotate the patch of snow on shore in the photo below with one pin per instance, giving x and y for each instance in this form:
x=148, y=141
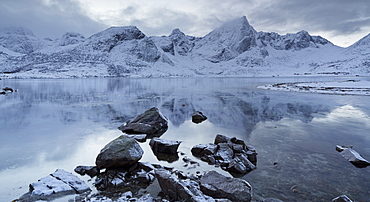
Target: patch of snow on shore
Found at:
x=346, y=87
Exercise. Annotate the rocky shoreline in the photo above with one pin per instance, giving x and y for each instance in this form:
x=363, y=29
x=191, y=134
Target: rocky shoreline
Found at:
x=120, y=176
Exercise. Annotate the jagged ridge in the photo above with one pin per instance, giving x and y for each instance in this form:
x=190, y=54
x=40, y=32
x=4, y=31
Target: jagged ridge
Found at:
x=234, y=48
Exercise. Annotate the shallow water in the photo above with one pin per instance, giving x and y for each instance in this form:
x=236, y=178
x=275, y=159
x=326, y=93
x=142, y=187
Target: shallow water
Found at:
x=62, y=123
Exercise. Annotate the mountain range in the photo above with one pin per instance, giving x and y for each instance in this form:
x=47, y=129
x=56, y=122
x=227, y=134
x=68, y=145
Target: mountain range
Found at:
x=233, y=49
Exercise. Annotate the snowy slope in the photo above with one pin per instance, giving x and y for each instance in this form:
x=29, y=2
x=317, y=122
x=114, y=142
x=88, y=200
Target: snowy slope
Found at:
x=233, y=49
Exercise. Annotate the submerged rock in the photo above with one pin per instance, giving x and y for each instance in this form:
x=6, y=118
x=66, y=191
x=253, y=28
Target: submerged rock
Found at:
x=198, y=117
x=58, y=184
x=121, y=152
x=352, y=156
x=217, y=186
x=151, y=122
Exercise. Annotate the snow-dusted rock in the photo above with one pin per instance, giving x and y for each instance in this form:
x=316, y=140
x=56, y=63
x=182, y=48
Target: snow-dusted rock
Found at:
x=353, y=156
x=57, y=184
x=151, y=122
x=341, y=198
x=297, y=41
x=217, y=186
x=113, y=36
x=120, y=152
x=182, y=44
x=179, y=190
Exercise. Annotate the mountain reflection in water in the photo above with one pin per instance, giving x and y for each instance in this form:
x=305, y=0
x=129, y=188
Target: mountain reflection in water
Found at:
x=63, y=123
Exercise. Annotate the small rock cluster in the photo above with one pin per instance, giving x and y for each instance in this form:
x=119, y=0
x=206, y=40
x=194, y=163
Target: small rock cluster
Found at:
x=212, y=186
x=232, y=154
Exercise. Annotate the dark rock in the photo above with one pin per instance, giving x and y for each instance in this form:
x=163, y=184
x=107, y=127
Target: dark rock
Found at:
x=7, y=89
x=237, y=141
x=198, y=117
x=240, y=164
x=352, y=156
x=217, y=185
x=179, y=190
x=91, y=171
x=272, y=200
x=58, y=184
x=167, y=157
x=159, y=145
x=121, y=152
x=221, y=139
x=224, y=152
x=237, y=148
x=151, y=122
x=165, y=150
x=342, y=198
x=204, y=149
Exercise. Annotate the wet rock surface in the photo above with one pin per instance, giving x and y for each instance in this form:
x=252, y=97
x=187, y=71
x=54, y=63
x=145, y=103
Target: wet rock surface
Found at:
x=232, y=154
x=58, y=184
x=121, y=152
x=217, y=185
x=198, y=117
x=179, y=190
x=134, y=178
x=91, y=171
x=151, y=122
x=165, y=150
x=352, y=156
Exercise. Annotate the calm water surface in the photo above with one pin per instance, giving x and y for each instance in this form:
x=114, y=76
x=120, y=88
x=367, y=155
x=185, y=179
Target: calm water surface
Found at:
x=62, y=123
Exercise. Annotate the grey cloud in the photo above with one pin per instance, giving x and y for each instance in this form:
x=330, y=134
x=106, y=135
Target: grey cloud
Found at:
x=337, y=16
x=47, y=20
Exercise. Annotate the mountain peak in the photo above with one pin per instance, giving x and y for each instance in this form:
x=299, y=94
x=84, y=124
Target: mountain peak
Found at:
x=241, y=23
x=229, y=40
x=364, y=42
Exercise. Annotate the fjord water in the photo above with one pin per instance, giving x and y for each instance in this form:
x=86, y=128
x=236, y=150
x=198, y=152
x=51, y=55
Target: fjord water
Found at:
x=62, y=123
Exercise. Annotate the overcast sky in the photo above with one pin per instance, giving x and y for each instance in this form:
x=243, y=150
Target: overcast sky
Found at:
x=343, y=22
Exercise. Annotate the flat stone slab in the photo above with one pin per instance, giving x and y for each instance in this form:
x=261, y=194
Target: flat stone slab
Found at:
x=58, y=184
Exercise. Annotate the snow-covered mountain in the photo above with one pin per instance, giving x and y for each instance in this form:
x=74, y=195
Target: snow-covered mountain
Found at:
x=233, y=49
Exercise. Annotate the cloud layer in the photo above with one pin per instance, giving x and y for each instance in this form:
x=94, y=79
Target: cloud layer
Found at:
x=341, y=21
